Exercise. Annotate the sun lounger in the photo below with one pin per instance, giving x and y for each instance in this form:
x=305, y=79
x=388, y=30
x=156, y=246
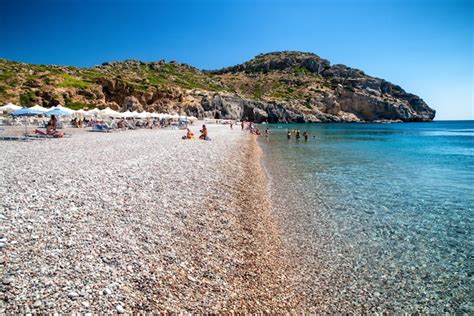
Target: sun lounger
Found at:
x=14, y=138
x=101, y=128
x=43, y=136
x=130, y=126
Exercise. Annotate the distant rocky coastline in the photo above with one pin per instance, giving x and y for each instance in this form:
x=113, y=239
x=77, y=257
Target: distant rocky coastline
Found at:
x=281, y=87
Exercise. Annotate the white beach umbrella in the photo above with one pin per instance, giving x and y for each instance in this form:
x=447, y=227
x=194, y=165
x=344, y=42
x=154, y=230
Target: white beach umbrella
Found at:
x=92, y=112
x=109, y=112
x=63, y=108
x=9, y=107
x=143, y=115
x=126, y=114
x=135, y=114
x=174, y=116
x=81, y=113
x=192, y=118
x=40, y=108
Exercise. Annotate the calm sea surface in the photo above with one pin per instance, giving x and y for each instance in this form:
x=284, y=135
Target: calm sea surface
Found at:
x=383, y=212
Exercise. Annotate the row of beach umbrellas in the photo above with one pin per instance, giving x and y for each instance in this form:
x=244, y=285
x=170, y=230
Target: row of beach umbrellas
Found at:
x=59, y=110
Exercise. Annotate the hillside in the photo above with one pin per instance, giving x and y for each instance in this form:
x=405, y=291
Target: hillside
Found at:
x=274, y=87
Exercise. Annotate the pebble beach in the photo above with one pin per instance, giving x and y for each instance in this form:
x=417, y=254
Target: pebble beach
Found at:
x=139, y=221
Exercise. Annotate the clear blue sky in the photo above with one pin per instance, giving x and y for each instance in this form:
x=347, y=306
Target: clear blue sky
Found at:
x=424, y=46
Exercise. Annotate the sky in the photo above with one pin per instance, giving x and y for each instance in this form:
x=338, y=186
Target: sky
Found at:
x=424, y=46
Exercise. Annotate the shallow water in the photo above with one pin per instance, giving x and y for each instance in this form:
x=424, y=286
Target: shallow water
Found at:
x=382, y=212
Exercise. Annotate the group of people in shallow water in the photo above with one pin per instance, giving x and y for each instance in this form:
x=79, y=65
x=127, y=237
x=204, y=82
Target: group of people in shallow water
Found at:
x=252, y=128
x=297, y=134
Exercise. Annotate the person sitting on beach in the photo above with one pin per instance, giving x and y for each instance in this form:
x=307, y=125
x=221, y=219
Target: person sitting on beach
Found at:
x=54, y=122
x=121, y=124
x=189, y=134
x=49, y=131
x=203, y=132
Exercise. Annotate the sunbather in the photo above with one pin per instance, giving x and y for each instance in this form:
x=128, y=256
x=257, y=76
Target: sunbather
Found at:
x=189, y=134
x=53, y=122
x=203, y=133
x=50, y=131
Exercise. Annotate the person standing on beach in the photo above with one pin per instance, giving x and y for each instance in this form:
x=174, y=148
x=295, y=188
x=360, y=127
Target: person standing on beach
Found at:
x=231, y=125
x=242, y=124
x=267, y=132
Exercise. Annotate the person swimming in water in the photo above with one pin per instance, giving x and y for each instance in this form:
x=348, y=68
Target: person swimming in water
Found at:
x=298, y=136
x=305, y=135
x=288, y=135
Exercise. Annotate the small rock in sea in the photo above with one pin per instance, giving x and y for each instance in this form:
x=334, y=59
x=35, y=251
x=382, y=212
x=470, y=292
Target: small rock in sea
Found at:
x=7, y=281
x=72, y=295
x=107, y=291
x=37, y=304
x=120, y=309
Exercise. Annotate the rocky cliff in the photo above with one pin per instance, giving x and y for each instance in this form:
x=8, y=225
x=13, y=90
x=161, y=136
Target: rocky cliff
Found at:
x=274, y=87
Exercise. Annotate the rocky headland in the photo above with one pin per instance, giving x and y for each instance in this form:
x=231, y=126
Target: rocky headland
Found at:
x=274, y=87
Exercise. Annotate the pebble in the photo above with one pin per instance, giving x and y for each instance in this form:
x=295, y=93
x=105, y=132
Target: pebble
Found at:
x=37, y=303
x=7, y=281
x=73, y=295
x=120, y=309
x=107, y=291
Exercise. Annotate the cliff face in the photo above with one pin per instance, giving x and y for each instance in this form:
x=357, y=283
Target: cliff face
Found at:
x=275, y=87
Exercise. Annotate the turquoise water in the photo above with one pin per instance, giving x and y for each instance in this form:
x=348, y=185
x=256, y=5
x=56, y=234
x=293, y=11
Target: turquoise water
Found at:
x=379, y=214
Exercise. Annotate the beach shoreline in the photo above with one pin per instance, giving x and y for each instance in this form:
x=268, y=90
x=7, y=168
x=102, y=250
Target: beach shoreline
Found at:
x=140, y=221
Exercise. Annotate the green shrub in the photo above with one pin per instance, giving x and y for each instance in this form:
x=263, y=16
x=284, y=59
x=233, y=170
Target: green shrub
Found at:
x=74, y=105
x=28, y=98
x=71, y=82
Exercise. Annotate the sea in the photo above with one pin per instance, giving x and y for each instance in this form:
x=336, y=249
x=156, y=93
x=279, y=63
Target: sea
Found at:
x=377, y=215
